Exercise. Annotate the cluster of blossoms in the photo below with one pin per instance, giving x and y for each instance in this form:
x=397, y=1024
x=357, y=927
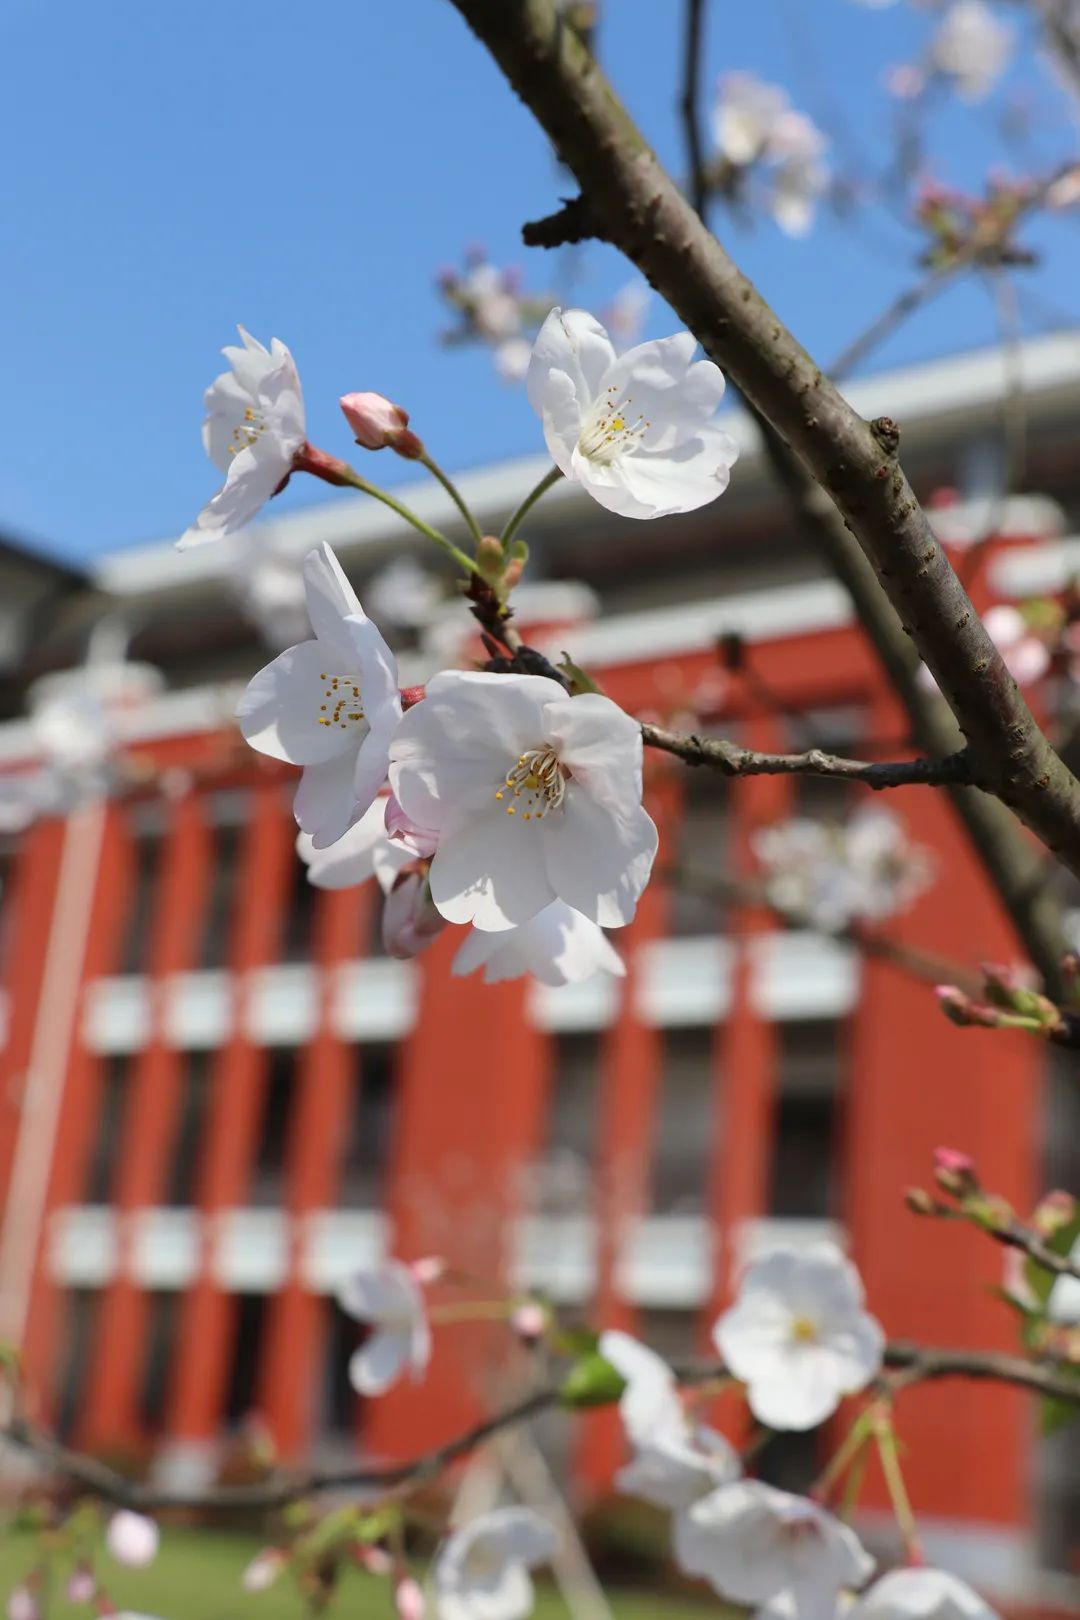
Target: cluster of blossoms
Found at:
x=833, y=876
x=799, y=1341
x=758, y=133
x=492, y=308
x=131, y=1540
x=492, y=798
x=969, y=50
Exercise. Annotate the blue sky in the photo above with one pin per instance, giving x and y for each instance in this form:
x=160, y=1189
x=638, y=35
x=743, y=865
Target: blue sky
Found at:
x=172, y=170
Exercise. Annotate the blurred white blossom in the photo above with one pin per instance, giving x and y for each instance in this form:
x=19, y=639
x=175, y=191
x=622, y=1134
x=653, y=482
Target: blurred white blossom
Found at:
x=830, y=876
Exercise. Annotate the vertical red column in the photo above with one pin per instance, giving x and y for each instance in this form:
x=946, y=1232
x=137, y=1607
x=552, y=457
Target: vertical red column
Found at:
x=289, y=1376
x=746, y=1043
x=917, y=1082
x=473, y=1084
x=236, y=1093
x=631, y=1068
x=93, y=890
x=149, y=1125
x=28, y=908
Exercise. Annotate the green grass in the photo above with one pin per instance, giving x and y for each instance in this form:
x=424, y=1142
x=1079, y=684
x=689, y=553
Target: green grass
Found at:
x=196, y=1576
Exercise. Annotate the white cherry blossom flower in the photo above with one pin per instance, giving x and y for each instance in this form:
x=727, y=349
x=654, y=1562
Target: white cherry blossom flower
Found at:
x=557, y=946
x=675, y=1462
x=329, y=705
x=752, y=1542
x=636, y=430
x=972, y=48
x=253, y=431
x=744, y=116
x=534, y=796
x=798, y=1337
x=351, y=860
x=132, y=1539
x=482, y=1571
x=830, y=876
x=920, y=1594
x=800, y=177
x=389, y=1299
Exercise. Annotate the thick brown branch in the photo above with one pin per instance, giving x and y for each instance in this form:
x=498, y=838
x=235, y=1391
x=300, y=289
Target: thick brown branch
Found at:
x=732, y=760
x=639, y=209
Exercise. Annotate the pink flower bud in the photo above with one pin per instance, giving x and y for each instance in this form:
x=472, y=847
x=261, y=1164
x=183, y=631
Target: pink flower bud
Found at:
x=263, y=1570
x=529, y=1321
x=410, y=921
x=953, y=1160
x=430, y=1269
x=409, y=1599
x=132, y=1539
x=955, y=1172
x=376, y=1560
x=22, y=1604
x=378, y=424
x=81, y=1586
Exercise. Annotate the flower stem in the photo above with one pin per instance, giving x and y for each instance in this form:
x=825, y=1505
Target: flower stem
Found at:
x=845, y=1455
x=885, y=1435
x=454, y=493
x=528, y=503
x=349, y=475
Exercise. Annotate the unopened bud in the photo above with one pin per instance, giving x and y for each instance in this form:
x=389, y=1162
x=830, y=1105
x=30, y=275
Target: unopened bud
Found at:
x=919, y=1201
x=378, y=424
x=530, y=1321
x=1008, y=987
x=513, y=573
x=263, y=1570
x=376, y=1560
x=955, y=1172
x=409, y=1599
x=490, y=557
x=22, y=1604
x=431, y=1268
x=81, y=1586
x=1054, y=1212
x=959, y=1008
x=132, y=1539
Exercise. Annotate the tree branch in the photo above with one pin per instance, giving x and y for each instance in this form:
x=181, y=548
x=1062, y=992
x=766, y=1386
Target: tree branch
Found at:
x=697, y=177
x=732, y=760
x=638, y=208
x=915, y=1364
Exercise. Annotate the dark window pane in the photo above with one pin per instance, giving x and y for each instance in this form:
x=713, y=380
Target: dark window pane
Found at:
x=369, y=1138
x=184, y=1169
x=109, y=1125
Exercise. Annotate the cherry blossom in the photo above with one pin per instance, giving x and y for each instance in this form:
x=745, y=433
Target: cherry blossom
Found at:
x=534, y=796
x=744, y=115
x=263, y=1570
x=920, y=1594
x=329, y=705
x=132, y=1539
x=557, y=946
x=832, y=876
x=636, y=430
x=254, y=429
x=798, y=1337
x=388, y=1299
x=650, y=1404
x=971, y=47
x=22, y=1604
x=752, y=1542
x=482, y=1571
x=800, y=176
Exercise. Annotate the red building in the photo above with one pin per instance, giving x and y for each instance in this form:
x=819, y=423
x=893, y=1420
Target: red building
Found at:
x=218, y=1095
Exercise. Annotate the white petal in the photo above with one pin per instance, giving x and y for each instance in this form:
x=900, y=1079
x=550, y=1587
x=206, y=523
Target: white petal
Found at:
x=489, y=869
x=601, y=746
x=571, y=343
x=598, y=862
x=254, y=475
x=282, y=711
x=330, y=598
x=323, y=804
x=352, y=859
x=682, y=479
x=378, y=1362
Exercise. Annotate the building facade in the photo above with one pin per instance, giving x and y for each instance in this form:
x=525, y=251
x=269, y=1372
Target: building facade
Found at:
x=218, y=1095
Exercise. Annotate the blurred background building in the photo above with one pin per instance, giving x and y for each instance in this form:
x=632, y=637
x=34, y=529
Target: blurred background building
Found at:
x=218, y=1095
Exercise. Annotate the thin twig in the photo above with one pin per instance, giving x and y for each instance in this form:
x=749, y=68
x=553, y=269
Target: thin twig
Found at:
x=732, y=760
x=697, y=179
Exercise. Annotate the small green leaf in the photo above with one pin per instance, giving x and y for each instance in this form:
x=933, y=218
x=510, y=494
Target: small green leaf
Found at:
x=1038, y=1279
x=579, y=681
x=592, y=1381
